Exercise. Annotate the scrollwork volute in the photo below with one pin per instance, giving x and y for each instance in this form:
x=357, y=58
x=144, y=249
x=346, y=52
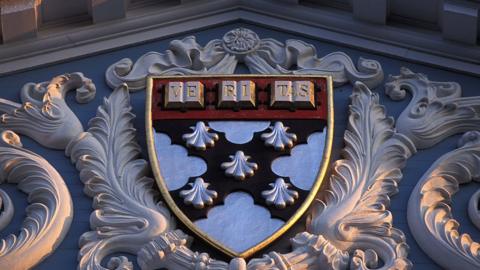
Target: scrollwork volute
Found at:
x=429, y=212
x=50, y=210
x=44, y=115
x=241, y=45
x=437, y=109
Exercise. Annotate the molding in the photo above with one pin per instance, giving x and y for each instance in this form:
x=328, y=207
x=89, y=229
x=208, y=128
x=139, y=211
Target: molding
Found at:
x=429, y=212
x=437, y=109
x=241, y=45
x=460, y=21
x=331, y=26
x=50, y=210
x=102, y=10
x=373, y=11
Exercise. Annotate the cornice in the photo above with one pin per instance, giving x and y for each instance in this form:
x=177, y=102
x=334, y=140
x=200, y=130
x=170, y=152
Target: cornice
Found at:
x=143, y=25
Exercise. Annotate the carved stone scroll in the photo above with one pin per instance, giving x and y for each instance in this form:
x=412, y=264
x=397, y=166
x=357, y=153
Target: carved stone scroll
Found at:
x=437, y=109
x=241, y=45
x=429, y=212
x=50, y=210
x=44, y=115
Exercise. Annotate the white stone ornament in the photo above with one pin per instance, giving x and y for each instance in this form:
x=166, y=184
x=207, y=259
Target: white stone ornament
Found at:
x=241, y=41
x=352, y=227
x=7, y=207
x=280, y=195
x=128, y=217
x=127, y=212
x=430, y=215
x=171, y=251
x=44, y=115
x=199, y=195
x=200, y=138
x=437, y=109
x=50, y=210
x=241, y=45
x=239, y=167
x=278, y=137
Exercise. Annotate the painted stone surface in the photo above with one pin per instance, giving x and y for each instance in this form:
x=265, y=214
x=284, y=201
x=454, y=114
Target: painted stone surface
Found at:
x=94, y=67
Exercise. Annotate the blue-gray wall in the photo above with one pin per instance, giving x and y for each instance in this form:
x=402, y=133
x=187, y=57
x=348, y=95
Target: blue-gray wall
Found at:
x=65, y=257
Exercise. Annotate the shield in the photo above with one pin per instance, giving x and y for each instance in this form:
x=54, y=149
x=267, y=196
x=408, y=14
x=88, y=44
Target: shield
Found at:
x=239, y=158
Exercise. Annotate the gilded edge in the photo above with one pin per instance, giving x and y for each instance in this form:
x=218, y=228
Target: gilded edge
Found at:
x=178, y=212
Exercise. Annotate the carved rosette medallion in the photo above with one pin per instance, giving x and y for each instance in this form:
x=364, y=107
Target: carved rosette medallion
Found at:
x=241, y=41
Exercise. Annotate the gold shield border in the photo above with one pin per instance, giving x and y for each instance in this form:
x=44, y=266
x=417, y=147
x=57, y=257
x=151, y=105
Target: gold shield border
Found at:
x=178, y=212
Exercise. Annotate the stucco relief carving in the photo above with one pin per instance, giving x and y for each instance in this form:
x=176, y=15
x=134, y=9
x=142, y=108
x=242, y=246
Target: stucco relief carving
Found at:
x=44, y=115
x=128, y=217
x=50, y=210
x=171, y=251
x=7, y=207
x=127, y=212
x=351, y=225
x=221, y=56
x=429, y=212
x=437, y=109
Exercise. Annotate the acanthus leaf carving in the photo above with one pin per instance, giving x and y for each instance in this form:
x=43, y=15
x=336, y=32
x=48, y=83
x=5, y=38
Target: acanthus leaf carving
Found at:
x=437, y=109
x=127, y=212
x=44, y=115
x=351, y=226
x=429, y=212
x=171, y=251
x=353, y=215
x=50, y=210
x=241, y=45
